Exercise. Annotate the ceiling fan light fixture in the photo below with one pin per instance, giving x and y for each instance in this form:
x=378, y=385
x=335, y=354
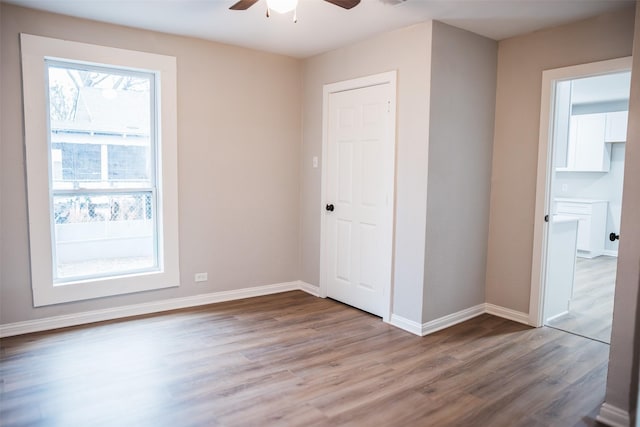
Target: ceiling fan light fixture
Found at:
x=282, y=6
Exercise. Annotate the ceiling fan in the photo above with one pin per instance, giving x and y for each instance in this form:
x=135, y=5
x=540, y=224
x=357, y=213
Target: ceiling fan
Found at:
x=285, y=6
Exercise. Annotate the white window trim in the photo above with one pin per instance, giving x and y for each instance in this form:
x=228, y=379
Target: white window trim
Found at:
x=34, y=51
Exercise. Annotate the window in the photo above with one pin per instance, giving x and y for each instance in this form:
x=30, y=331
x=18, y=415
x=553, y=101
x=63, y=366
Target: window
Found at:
x=101, y=169
x=104, y=216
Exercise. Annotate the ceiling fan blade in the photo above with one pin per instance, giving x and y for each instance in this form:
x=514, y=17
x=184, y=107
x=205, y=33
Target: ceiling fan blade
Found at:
x=345, y=4
x=243, y=4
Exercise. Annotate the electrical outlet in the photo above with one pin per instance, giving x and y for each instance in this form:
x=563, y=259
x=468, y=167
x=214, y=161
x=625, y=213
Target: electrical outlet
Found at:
x=201, y=277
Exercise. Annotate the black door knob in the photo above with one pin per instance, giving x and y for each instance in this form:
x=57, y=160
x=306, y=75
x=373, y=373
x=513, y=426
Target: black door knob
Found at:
x=613, y=237
x=329, y=208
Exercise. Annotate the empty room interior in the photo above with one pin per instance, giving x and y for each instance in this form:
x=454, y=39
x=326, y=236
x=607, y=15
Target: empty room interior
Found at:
x=319, y=212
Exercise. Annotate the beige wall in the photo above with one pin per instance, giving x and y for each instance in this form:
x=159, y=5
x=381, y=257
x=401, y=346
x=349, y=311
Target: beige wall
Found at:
x=463, y=90
x=521, y=61
x=624, y=356
x=239, y=130
x=405, y=50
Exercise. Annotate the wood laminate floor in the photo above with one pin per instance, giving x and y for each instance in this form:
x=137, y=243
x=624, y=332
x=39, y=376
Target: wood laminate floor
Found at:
x=296, y=360
x=591, y=308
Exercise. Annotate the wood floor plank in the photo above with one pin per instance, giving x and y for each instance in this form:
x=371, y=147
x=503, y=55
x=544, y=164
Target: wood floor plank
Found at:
x=295, y=360
x=591, y=309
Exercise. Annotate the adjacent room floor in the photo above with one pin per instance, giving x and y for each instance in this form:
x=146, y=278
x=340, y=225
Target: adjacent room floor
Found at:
x=591, y=310
x=294, y=359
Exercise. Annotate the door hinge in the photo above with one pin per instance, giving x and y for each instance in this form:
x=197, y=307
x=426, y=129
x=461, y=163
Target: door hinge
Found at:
x=388, y=106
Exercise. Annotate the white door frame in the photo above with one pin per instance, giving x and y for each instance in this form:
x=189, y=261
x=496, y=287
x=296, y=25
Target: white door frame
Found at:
x=328, y=89
x=545, y=168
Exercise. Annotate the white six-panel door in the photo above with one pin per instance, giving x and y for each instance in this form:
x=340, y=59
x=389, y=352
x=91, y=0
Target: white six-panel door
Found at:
x=359, y=181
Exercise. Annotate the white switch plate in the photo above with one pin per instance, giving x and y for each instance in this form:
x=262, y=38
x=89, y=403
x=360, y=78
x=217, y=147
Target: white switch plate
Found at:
x=201, y=277
x=315, y=161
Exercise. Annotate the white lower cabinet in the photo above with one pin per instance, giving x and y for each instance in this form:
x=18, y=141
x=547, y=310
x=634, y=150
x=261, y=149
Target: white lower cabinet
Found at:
x=561, y=265
x=592, y=223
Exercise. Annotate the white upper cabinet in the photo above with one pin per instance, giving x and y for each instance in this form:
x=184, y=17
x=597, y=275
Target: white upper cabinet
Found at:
x=590, y=114
x=587, y=150
x=616, y=126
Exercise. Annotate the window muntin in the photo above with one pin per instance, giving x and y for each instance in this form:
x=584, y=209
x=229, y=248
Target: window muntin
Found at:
x=101, y=123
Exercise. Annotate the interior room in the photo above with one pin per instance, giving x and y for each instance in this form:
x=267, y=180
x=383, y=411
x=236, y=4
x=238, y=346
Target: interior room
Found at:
x=228, y=213
x=587, y=194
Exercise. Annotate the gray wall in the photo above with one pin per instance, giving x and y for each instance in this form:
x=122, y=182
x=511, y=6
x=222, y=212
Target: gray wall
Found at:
x=239, y=129
x=463, y=88
x=440, y=86
x=521, y=61
x=624, y=355
x=406, y=50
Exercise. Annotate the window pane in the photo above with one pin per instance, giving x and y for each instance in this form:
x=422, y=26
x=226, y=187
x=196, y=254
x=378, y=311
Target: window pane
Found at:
x=76, y=162
x=128, y=163
x=103, y=234
x=101, y=127
x=101, y=123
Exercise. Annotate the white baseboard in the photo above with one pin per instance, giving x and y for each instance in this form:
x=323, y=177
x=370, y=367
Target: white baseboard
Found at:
x=437, y=324
x=411, y=326
x=457, y=317
x=613, y=416
x=309, y=288
x=63, y=321
x=406, y=324
x=452, y=319
x=610, y=252
x=507, y=313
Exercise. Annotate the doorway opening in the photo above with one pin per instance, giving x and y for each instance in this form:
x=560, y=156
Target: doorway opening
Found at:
x=581, y=160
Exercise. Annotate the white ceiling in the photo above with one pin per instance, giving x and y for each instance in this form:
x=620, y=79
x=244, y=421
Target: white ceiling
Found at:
x=322, y=26
x=609, y=87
